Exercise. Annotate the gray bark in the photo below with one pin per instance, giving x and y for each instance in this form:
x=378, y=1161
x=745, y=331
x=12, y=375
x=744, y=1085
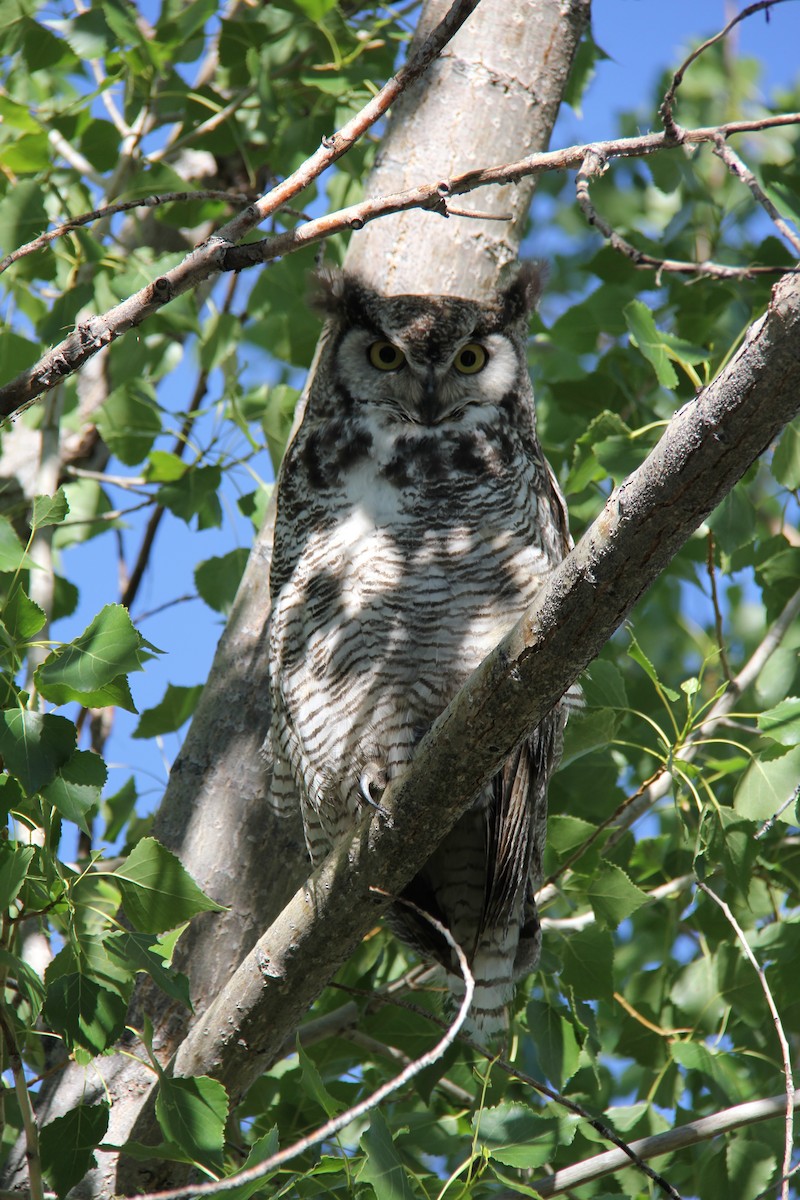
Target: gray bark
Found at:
x=491, y=97
x=215, y=814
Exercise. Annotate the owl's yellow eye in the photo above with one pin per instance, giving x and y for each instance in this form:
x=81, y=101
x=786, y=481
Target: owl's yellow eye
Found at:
x=471, y=359
x=385, y=356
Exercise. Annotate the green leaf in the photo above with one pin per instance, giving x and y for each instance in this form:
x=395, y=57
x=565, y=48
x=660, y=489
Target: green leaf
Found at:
x=556, y=1043
x=767, y=785
x=49, y=510
x=588, y=957
x=15, y=859
x=164, y=467
x=158, y=893
x=116, y=810
x=27, y=982
x=782, y=723
x=67, y=1145
x=92, y=669
x=734, y=521
x=612, y=895
x=604, y=686
x=786, y=459
x=517, y=1136
x=194, y=494
x=22, y=617
x=313, y=1084
x=143, y=952
x=129, y=422
x=77, y=786
x=12, y=552
x=647, y=339
x=192, y=1114
x=262, y=1149
x=79, y=1007
x=638, y=655
x=382, y=1165
x=587, y=732
x=34, y=745
x=217, y=579
x=174, y=710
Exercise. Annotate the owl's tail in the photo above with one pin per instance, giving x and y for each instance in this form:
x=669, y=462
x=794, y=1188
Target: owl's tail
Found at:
x=492, y=968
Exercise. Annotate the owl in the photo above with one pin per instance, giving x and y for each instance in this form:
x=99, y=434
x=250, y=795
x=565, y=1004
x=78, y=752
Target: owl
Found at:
x=417, y=518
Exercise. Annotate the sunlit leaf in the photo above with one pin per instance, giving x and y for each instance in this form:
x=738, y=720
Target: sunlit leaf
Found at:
x=158, y=893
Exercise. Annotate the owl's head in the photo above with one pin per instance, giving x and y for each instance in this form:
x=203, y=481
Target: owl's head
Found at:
x=428, y=360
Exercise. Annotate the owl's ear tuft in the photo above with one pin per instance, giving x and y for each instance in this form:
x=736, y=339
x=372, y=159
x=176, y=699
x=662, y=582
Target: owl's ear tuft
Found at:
x=520, y=297
x=335, y=293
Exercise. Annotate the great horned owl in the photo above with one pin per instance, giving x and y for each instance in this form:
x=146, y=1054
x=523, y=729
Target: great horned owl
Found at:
x=416, y=519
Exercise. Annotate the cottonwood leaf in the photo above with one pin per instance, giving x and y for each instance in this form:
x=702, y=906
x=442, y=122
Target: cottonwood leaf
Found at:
x=192, y=1113
x=49, y=510
x=613, y=896
x=157, y=892
x=77, y=786
x=92, y=669
x=67, y=1145
x=176, y=708
x=34, y=745
x=382, y=1165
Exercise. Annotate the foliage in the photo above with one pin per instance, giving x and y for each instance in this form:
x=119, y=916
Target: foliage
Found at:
x=645, y=1008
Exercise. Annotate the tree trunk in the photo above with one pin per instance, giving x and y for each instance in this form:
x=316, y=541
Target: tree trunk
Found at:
x=502, y=80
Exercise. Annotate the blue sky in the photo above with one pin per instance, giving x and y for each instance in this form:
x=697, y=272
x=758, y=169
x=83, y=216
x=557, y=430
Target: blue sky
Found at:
x=642, y=38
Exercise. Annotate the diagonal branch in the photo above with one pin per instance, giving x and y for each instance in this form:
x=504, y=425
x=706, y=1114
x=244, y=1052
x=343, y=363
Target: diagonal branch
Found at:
x=739, y=1115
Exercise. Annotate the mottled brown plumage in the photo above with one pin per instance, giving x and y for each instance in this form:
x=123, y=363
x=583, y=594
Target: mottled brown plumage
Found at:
x=416, y=519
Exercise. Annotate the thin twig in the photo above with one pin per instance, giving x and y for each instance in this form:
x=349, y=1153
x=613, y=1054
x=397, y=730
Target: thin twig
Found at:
x=336, y=1124
x=672, y=129
x=784, y=1045
x=690, y=1134
x=765, y=828
x=597, y=1123
x=712, y=575
x=741, y=170
x=596, y=163
x=110, y=210
x=32, y=1156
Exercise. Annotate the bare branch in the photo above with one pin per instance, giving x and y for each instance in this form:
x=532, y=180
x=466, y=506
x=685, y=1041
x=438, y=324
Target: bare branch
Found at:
x=673, y=130
x=110, y=210
x=690, y=1134
x=740, y=169
x=219, y=254
x=784, y=1045
x=596, y=163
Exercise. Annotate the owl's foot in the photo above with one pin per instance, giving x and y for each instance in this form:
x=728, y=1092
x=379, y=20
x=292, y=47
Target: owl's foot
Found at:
x=372, y=784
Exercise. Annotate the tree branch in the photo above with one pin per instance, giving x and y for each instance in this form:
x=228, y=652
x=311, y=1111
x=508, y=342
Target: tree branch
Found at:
x=661, y=1143
x=220, y=254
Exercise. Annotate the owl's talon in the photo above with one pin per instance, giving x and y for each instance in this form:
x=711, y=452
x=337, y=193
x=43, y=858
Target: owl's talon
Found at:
x=372, y=785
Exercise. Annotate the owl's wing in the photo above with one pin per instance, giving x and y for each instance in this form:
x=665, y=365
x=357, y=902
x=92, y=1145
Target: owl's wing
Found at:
x=516, y=819
x=508, y=836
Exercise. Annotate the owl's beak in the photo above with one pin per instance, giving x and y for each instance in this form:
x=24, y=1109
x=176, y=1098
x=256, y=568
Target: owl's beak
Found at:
x=429, y=403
